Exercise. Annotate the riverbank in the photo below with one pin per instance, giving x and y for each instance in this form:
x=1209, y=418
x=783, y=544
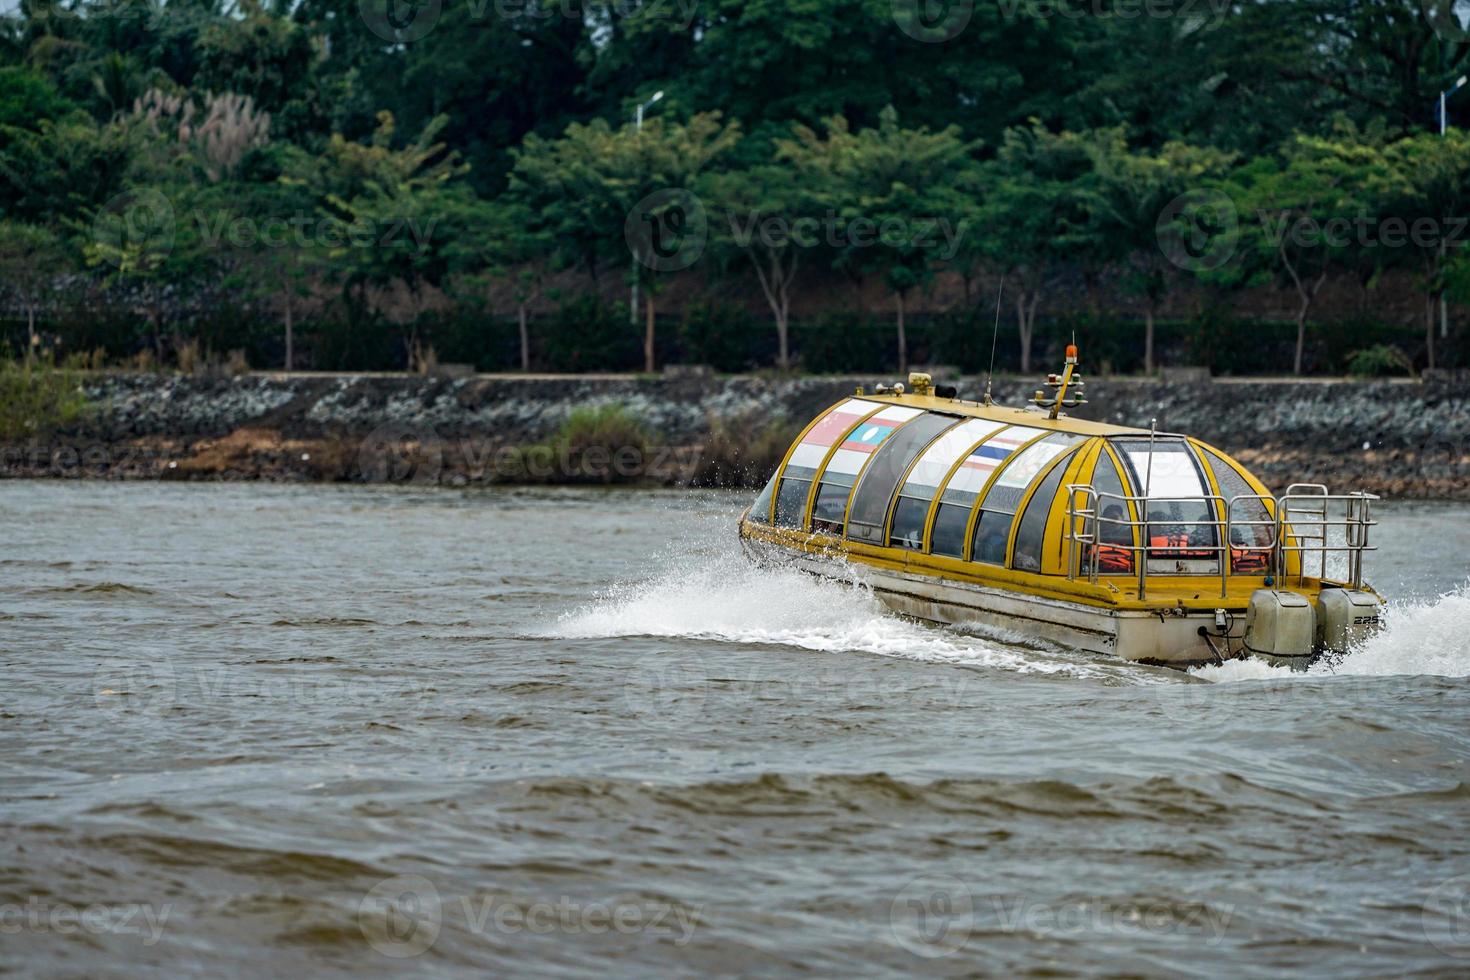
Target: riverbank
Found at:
x=1397, y=439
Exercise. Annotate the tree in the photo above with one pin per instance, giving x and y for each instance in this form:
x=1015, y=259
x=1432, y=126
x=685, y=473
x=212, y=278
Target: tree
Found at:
x=381, y=207
x=32, y=258
x=508, y=245
x=1424, y=187
x=1302, y=208
x=598, y=188
x=1033, y=215
x=764, y=214
x=147, y=246
x=896, y=192
x=1128, y=193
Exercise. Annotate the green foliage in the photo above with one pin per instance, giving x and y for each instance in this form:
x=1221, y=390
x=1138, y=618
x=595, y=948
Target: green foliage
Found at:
x=742, y=450
x=497, y=143
x=595, y=444
x=1379, y=361
x=38, y=397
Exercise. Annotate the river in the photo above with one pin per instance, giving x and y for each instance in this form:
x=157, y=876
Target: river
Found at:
x=276, y=730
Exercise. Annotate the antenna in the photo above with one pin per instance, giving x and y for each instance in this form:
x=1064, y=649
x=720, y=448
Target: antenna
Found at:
x=995, y=332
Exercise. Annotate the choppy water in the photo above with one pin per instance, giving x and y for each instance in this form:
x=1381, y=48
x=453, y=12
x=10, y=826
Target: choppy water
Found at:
x=255, y=730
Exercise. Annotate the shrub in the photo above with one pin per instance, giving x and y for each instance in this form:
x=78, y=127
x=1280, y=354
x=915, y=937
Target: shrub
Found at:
x=603, y=444
x=38, y=397
x=1380, y=360
x=744, y=450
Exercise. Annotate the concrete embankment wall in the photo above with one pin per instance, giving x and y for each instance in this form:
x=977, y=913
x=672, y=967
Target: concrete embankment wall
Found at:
x=1399, y=439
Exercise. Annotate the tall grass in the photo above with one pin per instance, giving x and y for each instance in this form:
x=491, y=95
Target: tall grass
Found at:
x=39, y=397
x=744, y=450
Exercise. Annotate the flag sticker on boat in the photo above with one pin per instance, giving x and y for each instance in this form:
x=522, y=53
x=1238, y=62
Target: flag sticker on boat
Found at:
x=997, y=450
x=813, y=447
x=838, y=421
x=871, y=434
x=978, y=466
x=866, y=438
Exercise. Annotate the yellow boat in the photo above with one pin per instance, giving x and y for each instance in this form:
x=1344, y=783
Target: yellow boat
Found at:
x=1148, y=545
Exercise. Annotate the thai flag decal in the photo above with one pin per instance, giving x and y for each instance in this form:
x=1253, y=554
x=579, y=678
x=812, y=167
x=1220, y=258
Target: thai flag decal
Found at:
x=997, y=450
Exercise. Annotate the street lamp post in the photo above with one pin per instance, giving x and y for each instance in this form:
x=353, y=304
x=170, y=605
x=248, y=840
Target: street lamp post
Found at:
x=1444, y=119
x=638, y=128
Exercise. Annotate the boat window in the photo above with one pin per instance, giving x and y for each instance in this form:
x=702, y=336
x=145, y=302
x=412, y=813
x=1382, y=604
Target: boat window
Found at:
x=1114, y=534
x=830, y=511
x=949, y=530
x=835, y=482
x=1008, y=489
x=1255, y=531
x=791, y=503
x=958, y=497
x=808, y=455
x=908, y=523
x=880, y=477
x=761, y=509
x=1177, y=511
x=923, y=481
x=1031, y=532
x=992, y=531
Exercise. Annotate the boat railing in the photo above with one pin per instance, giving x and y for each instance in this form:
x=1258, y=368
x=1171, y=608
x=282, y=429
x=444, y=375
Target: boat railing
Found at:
x=1312, y=517
x=1301, y=521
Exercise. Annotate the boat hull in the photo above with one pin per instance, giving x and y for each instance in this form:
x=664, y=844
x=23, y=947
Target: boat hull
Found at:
x=1169, y=638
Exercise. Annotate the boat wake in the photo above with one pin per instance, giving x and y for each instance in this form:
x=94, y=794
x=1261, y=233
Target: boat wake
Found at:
x=1418, y=638
x=726, y=598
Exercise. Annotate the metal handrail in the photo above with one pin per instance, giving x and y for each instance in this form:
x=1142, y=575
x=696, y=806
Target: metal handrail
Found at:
x=1084, y=525
x=1311, y=536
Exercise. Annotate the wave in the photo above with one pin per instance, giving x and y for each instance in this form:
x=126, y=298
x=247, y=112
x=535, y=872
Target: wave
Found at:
x=1417, y=639
x=726, y=598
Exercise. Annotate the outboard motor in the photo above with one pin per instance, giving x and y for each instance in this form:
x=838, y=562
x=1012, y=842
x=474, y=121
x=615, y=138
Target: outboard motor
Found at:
x=1281, y=628
x=1348, y=617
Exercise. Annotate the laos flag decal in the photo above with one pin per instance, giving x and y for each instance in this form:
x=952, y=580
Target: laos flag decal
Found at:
x=868, y=437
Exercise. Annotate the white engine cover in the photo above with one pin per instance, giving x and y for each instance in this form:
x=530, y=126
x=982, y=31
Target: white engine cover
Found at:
x=1280, y=624
x=1348, y=618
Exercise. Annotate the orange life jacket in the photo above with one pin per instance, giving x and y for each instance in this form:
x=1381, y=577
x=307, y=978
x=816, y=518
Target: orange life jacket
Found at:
x=1112, y=558
x=1175, y=544
x=1248, y=561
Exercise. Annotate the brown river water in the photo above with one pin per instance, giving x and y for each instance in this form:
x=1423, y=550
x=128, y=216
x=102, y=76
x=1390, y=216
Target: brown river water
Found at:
x=255, y=730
